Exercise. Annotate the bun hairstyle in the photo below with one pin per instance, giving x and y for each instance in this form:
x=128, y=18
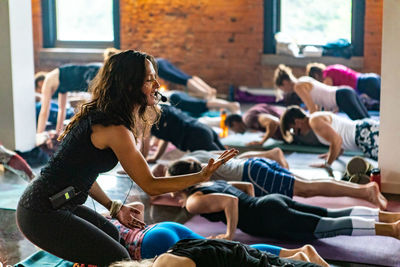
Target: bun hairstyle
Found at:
x=282, y=73
x=181, y=167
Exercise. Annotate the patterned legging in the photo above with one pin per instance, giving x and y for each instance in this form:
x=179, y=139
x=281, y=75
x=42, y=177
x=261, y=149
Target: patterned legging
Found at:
x=367, y=138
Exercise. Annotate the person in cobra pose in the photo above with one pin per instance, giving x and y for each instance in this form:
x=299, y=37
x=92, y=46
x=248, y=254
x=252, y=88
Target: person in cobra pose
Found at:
x=51, y=213
x=316, y=95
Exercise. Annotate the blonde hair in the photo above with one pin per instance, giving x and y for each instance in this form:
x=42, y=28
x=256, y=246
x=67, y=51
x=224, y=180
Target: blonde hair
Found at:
x=283, y=73
x=142, y=263
x=110, y=51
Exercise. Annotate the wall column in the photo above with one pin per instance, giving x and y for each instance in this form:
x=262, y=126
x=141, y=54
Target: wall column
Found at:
x=17, y=98
x=389, y=132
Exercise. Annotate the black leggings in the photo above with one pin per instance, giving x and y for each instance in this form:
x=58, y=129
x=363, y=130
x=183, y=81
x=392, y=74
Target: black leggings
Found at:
x=350, y=103
x=285, y=218
x=81, y=235
x=201, y=137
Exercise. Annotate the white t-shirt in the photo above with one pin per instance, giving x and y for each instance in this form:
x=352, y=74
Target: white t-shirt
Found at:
x=230, y=171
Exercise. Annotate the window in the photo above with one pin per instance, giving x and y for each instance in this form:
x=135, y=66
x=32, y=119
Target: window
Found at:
x=315, y=22
x=80, y=23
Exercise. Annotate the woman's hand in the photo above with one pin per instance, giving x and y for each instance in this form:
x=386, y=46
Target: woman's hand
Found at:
x=127, y=217
x=220, y=236
x=255, y=143
x=213, y=165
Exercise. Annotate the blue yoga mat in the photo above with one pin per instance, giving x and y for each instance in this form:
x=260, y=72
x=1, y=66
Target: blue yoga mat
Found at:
x=43, y=258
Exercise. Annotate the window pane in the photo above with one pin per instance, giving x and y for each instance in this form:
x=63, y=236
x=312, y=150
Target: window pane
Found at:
x=315, y=21
x=85, y=20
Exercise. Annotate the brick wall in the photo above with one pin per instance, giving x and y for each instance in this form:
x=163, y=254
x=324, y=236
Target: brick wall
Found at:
x=220, y=41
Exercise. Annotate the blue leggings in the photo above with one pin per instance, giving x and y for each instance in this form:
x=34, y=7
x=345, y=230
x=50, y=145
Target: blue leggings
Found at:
x=268, y=177
x=167, y=71
x=369, y=84
x=165, y=234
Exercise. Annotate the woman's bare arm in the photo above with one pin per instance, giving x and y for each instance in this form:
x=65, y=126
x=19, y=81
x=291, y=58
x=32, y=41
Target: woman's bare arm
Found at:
x=303, y=91
x=123, y=143
x=199, y=203
x=246, y=187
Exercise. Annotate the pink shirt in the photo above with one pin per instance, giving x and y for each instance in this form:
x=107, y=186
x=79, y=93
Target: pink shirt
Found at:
x=341, y=75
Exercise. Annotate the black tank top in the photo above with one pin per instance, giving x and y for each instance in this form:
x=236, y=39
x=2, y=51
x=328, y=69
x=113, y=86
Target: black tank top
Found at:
x=76, y=78
x=76, y=163
x=218, y=252
x=253, y=211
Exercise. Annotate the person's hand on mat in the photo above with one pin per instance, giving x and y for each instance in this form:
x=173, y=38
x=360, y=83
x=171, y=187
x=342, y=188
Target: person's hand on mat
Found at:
x=213, y=165
x=127, y=217
x=323, y=166
x=255, y=143
x=220, y=236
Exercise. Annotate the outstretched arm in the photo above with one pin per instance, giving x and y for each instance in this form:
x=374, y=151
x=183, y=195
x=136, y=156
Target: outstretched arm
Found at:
x=198, y=203
x=123, y=144
x=61, y=114
x=50, y=85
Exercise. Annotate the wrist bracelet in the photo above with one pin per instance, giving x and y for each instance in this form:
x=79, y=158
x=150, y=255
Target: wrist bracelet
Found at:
x=115, y=208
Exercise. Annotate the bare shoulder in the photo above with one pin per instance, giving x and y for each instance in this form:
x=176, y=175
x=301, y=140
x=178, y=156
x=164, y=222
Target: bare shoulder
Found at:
x=171, y=260
x=106, y=136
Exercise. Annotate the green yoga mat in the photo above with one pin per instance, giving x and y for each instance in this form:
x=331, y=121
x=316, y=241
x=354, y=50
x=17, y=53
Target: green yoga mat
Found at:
x=43, y=258
x=239, y=141
x=10, y=194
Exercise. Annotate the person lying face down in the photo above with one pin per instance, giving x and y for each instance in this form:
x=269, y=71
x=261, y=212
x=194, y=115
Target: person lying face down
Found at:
x=268, y=176
x=205, y=253
x=156, y=239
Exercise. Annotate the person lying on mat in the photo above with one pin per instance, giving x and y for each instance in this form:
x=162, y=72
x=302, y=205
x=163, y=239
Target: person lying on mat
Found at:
x=171, y=73
x=267, y=176
x=316, y=95
x=156, y=239
x=51, y=213
x=265, y=118
x=279, y=216
x=182, y=130
x=334, y=131
x=337, y=74
x=218, y=252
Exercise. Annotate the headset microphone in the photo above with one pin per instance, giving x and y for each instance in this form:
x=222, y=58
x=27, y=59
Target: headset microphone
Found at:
x=163, y=98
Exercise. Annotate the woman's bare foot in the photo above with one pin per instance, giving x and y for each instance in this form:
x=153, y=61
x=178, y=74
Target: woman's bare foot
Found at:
x=313, y=255
x=389, y=217
x=375, y=196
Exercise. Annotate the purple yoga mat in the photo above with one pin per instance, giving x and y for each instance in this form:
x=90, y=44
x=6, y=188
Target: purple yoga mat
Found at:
x=378, y=250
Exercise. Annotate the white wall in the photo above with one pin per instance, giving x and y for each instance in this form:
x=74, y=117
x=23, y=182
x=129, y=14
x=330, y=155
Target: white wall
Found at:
x=389, y=132
x=17, y=101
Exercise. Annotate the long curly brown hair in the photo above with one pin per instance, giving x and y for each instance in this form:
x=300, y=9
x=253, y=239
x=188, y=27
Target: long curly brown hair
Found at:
x=117, y=92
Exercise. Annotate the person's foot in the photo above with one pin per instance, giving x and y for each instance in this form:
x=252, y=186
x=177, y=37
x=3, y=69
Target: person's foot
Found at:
x=15, y=163
x=234, y=107
x=375, y=196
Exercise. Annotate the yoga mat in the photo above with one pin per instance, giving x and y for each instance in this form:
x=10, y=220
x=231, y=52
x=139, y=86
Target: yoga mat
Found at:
x=10, y=194
x=240, y=141
x=377, y=250
x=42, y=259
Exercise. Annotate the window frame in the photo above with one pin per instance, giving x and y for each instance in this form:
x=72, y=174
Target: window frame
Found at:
x=49, y=25
x=272, y=15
